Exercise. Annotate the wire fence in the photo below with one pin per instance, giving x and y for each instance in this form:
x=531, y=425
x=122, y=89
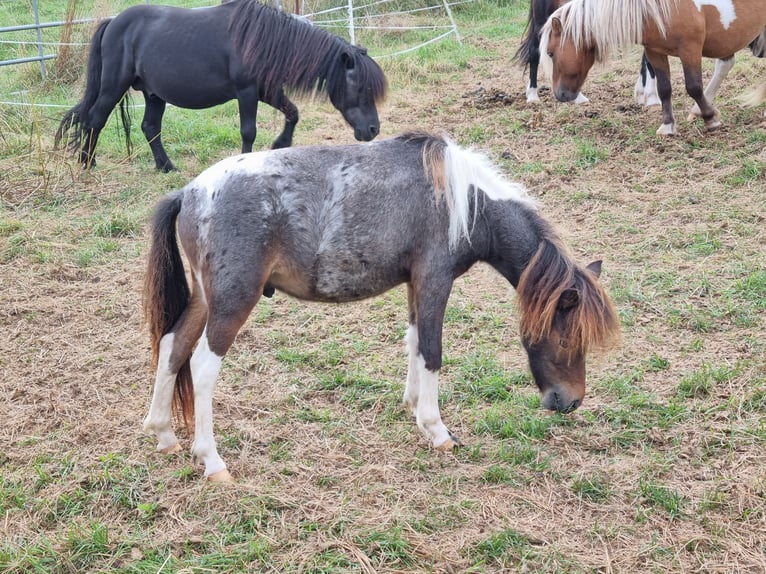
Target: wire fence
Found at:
x=18, y=47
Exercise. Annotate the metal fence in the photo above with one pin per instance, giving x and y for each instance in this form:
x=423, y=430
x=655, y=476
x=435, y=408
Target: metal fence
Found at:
x=39, y=45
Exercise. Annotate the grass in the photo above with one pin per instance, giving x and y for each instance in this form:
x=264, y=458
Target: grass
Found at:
x=661, y=469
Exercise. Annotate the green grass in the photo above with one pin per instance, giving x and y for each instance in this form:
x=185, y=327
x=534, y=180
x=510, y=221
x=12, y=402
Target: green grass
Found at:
x=656, y=472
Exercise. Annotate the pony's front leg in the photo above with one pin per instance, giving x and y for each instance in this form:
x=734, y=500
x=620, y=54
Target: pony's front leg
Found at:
x=693, y=79
x=722, y=68
x=284, y=105
x=205, y=367
x=159, y=418
x=427, y=413
x=425, y=347
x=412, y=390
x=664, y=91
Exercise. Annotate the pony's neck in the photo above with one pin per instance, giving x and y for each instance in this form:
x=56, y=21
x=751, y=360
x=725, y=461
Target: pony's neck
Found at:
x=515, y=232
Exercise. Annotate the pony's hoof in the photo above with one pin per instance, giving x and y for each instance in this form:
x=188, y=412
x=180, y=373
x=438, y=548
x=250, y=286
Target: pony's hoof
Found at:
x=220, y=476
x=667, y=130
x=172, y=449
x=581, y=99
x=449, y=445
x=712, y=125
x=652, y=101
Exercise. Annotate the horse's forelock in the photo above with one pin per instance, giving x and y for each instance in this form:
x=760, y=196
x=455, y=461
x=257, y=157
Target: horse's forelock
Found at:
x=591, y=323
x=370, y=74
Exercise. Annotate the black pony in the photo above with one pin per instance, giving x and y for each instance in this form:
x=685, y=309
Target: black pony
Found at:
x=204, y=57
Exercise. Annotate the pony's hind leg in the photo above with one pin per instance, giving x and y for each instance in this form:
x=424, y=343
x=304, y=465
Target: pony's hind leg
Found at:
x=229, y=308
x=151, y=125
x=174, y=350
x=722, y=68
x=159, y=419
x=693, y=79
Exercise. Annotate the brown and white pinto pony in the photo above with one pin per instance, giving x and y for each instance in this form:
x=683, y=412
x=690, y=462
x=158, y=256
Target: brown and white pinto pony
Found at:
x=346, y=222
x=582, y=32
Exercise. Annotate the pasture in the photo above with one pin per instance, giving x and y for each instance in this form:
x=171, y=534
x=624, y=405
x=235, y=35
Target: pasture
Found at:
x=662, y=469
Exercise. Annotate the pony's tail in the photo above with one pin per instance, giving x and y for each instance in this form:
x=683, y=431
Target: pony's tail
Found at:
x=755, y=97
x=125, y=117
x=166, y=295
x=528, y=43
x=73, y=127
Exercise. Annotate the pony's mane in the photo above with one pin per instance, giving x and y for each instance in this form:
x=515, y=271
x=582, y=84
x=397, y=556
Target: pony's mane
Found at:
x=283, y=50
x=603, y=25
x=457, y=175
x=551, y=272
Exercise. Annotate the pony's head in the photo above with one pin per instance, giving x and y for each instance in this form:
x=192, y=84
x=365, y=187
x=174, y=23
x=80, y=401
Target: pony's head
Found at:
x=566, y=55
x=355, y=89
x=564, y=313
x=580, y=33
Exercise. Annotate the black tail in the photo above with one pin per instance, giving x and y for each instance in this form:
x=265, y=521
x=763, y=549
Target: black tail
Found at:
x=73, y=127
x=529, y=41
x=166, y=293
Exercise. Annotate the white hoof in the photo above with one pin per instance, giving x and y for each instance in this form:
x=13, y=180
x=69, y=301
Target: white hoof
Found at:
x=532, y=97
x=652, y=100
x=581, y=99
x=667, y=130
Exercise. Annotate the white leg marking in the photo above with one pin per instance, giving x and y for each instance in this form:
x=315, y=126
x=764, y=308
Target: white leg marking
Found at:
x=427, y=411
x=581, y=99
x=159, y=418
x=205, y=366
x=532, y=96
x=412, y=390
x=638, y=91
x=650, y=92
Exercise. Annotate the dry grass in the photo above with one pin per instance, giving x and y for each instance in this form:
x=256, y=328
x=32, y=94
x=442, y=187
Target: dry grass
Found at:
x=663, y=469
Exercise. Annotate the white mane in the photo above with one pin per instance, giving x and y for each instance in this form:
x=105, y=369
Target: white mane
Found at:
x=468, y=171
x=603, y=25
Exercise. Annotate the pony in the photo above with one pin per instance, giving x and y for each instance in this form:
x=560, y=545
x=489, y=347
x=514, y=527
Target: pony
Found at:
x=200, y=58
x=528, y=54
x=346, y=222
x=580, y=33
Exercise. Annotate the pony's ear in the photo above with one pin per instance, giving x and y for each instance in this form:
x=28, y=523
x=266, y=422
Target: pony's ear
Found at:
x=569, y=298
x=595, y=268
x=348, y=60
x=556, y=25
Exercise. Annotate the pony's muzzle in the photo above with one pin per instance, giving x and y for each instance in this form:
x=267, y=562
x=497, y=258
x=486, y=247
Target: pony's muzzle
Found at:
x=564, y=94
x=366, y=135
x=560, y=401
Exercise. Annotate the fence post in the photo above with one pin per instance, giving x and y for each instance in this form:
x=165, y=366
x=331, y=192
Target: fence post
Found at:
x=39, y=39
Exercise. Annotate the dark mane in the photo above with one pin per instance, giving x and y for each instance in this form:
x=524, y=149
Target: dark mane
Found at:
x=551, y=271
x=282, y=50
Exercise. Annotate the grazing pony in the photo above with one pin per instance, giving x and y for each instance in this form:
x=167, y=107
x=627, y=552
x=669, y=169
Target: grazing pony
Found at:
x=528, y=54
x=204, y=57
x=582, y=32
x=343, y=223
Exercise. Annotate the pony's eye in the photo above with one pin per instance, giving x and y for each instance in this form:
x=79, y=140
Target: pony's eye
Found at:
x=550, y=55
x=563, y=343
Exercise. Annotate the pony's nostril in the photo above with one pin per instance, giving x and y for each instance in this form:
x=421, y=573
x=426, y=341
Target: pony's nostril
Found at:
x=573, y=407
x=374, y=130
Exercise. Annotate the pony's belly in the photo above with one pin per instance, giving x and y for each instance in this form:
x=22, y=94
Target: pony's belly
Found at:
x=338, y=281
